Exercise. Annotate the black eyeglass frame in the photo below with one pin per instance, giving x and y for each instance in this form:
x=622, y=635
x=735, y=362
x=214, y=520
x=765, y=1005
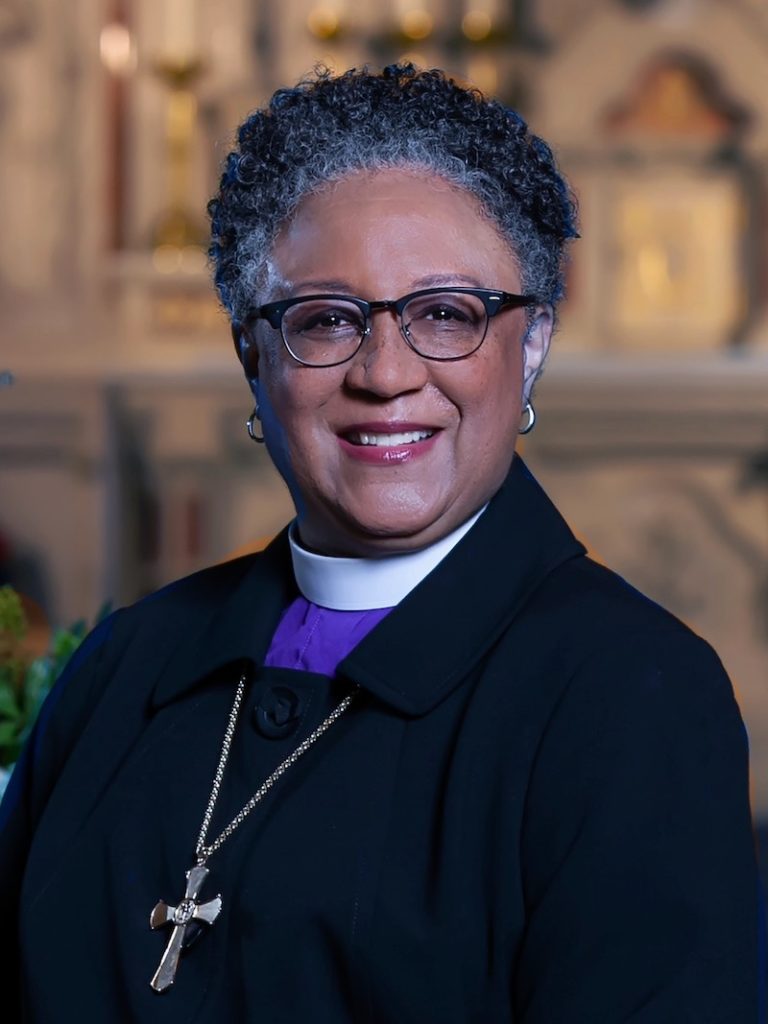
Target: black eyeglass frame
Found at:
x=494, y=301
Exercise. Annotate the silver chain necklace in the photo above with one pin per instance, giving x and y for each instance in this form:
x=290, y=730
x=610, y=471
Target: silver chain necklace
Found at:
x=189, y=909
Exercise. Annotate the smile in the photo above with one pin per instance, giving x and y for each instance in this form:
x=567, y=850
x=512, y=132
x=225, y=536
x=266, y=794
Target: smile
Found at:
x=388, y=440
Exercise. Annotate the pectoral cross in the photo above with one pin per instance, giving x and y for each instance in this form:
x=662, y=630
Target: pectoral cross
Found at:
x=180, y=917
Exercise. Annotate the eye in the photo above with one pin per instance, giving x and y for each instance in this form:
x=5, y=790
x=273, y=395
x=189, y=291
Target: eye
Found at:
x=322, y=320
x=328, y=320
x=445, y=311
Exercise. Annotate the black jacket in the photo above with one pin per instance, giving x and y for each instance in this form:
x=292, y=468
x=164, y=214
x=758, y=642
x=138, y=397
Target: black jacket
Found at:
x=535, y=810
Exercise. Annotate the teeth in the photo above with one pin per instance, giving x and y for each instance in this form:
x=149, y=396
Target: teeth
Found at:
x=390, y=440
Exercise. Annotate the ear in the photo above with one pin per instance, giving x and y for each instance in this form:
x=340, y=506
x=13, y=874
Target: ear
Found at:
x=247, y=351
x=536, y=346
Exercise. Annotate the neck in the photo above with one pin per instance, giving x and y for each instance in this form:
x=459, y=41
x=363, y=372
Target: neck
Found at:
x=358, y=584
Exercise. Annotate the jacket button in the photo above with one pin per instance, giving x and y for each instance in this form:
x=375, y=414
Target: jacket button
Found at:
x=278, y=712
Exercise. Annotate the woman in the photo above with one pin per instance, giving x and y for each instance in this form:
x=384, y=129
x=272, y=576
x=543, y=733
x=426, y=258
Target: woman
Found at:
x=421, y=760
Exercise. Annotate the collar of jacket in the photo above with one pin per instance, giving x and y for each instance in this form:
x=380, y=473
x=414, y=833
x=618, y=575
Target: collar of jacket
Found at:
x=426, y=646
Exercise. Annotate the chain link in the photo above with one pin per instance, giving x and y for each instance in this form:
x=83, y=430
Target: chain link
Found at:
x=203, y=851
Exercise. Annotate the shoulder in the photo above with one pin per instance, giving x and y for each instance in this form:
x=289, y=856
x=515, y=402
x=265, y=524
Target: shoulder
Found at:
x=141, y=634
x=593, y=614
x=596, y=599
x=641, y=720
x=197, y=592
x=177, y=607
x=604, y=656
x=129, y=642
x=635, y=684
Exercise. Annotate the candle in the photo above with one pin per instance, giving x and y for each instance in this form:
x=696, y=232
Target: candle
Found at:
x=180, y=29
x=479, y=20
x=490, y=8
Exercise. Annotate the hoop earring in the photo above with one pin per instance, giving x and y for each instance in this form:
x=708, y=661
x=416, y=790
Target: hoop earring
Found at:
x=258, y=438
x=530, y=412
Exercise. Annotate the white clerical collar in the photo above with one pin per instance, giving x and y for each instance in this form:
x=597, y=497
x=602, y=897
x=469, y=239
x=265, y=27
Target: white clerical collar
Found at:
x=358, y=584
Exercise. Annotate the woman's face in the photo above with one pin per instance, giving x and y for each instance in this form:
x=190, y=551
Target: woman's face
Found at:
x=380, y=236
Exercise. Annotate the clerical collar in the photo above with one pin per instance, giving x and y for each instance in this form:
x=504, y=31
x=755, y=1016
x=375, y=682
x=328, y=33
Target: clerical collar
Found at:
x=359, y=584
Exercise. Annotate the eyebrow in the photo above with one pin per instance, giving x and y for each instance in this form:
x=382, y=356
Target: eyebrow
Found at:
x=435, y=280
x=430, y=281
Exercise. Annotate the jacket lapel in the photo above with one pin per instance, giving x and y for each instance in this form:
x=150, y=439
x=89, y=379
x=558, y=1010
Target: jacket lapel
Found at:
x=445, y=625
x=240, y=617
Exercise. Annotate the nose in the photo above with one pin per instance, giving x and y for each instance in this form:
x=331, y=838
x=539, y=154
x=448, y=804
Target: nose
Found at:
x=385, y=364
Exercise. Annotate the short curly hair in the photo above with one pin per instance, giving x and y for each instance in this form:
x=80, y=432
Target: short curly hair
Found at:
x=329, y=127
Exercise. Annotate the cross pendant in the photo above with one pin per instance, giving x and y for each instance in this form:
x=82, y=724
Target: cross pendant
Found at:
x=188, y=910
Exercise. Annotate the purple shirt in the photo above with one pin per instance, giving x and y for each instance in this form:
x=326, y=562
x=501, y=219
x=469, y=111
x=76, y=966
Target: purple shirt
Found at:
x=316, y=639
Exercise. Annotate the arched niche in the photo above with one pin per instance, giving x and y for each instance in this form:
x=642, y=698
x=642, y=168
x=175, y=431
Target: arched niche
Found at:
x=670, y=179
x=598, y=56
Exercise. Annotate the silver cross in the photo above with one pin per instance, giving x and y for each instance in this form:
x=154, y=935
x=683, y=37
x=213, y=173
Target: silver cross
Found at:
x=188, y=910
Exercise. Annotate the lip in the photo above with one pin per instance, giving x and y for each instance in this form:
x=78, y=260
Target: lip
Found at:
x=397, y=454
x=388, y=427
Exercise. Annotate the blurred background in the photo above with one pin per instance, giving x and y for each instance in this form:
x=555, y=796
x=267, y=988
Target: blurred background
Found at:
x=124, y=460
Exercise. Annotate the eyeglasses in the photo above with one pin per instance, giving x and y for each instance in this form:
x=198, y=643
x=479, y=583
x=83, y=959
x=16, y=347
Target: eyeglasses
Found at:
x=437, y=323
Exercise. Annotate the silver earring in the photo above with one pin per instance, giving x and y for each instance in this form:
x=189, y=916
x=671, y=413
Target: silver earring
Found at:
x=258, y=438
x=530, y=412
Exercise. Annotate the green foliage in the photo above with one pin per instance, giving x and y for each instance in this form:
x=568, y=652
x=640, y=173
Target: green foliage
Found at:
x=26, y=681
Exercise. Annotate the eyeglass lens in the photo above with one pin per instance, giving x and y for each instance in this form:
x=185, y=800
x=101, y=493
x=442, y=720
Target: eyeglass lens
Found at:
x=440, y=325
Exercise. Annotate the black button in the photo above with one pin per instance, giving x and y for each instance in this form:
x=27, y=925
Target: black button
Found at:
x=278, y=712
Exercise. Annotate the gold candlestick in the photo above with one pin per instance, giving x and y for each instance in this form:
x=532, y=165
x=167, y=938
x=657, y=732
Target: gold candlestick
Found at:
x=177, y=228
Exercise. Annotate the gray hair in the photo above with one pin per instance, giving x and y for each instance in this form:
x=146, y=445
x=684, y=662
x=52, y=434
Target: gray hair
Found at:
x=328, y=128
